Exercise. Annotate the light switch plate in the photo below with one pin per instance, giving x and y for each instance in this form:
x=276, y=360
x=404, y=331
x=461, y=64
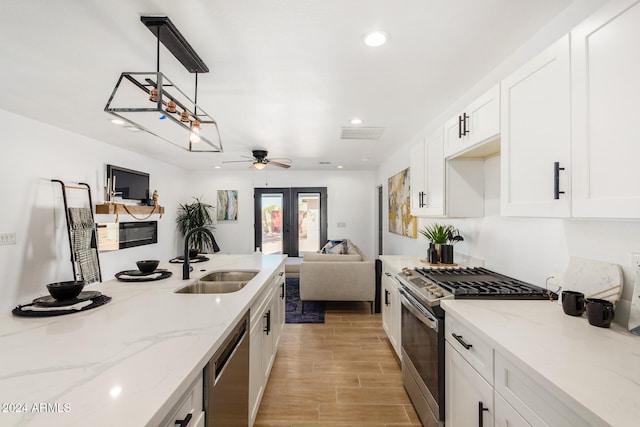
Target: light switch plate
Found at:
x=8, y=239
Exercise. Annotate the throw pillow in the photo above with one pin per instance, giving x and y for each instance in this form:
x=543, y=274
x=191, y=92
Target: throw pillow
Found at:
x=335, y=247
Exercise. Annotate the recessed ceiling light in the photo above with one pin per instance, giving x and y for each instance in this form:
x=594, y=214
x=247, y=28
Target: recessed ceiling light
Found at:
x=375, y=38
x=117, y=122
x=216, y=167
x=340, y=166
x=133, y=128
x=356, y=121
x=365, y=159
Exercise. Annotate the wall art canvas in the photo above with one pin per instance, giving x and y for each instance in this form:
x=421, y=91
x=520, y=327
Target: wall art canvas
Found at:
x=227, y=205
x=400, y=219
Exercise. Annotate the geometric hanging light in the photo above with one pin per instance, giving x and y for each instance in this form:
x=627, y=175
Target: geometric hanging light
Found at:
x=151, y=102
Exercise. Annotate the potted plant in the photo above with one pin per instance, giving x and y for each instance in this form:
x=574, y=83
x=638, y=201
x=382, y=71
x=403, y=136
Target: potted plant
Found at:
x=437, y=234
x=194, y=215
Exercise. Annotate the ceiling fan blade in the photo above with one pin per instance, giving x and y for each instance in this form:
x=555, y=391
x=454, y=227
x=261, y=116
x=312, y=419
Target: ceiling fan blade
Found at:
x=238, y=161
x=280, y=165
x=280, y=160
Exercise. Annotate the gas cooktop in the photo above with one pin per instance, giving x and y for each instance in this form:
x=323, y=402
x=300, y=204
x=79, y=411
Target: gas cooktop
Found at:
x=434, y=284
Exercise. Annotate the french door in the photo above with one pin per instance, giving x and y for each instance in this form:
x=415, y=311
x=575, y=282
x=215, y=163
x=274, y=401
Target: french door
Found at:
x=290, y=220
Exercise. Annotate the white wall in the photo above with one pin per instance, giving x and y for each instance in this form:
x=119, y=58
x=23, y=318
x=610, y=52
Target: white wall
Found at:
x=350, y=199
x=528, y=248
x=32, y=205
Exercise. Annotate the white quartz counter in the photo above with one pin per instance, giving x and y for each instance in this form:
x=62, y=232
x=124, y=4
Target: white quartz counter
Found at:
x=593, y=371
x=127, y=362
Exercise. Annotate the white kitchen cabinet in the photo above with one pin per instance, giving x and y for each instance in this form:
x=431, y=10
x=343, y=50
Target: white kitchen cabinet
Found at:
x=536, y=133
x=391, y=309
x=439, y=187
x=505, y=415
x=190, y=406
x=605, y=61
x=427, y=176
x=267, y=320
x=477, y=124
x=469, y=397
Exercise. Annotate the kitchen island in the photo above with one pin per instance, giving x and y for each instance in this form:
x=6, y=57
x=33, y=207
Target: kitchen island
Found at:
x=127, y=362
x=550, y=366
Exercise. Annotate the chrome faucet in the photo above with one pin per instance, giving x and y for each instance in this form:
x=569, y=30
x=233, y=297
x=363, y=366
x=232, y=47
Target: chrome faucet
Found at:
x=185, y=265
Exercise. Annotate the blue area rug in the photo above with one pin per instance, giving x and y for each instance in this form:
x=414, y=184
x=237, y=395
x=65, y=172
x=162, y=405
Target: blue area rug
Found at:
x=313, y=310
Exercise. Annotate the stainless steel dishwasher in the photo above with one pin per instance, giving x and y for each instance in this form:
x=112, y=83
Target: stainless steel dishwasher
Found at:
x=226, y=389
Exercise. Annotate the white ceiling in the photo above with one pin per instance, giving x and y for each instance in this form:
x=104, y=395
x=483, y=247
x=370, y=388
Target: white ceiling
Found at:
x=286, y=75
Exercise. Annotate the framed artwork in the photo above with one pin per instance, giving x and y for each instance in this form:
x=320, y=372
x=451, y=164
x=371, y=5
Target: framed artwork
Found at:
x=227, y=205
x=400, y=219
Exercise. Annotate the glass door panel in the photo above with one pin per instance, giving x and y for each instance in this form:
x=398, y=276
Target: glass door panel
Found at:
x=308, y=222
x=272, y=230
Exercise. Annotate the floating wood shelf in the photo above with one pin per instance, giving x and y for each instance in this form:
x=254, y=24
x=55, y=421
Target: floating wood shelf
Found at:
x=112, y=209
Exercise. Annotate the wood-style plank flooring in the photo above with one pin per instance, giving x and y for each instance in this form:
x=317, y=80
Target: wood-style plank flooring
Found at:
x=340, y=373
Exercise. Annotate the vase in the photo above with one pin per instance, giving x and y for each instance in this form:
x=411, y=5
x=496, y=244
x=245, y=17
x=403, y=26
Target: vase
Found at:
x=446, y=254
x=432, y=255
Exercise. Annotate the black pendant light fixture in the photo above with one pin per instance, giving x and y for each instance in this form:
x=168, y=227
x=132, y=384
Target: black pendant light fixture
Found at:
x=149, y=101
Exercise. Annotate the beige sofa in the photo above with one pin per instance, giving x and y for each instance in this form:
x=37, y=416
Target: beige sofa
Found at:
x=337, y=277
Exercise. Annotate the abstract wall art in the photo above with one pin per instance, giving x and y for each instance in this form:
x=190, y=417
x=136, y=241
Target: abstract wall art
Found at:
x=227, y=205
x=400, y=219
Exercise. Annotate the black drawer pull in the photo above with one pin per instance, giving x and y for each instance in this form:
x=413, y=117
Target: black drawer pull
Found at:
x=185, y=422
x=556, y=180
x=386, y=297
x=461, y=341
x=267, y=316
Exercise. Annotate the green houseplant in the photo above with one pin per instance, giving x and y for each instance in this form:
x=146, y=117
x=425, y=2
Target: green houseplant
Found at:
x=438, y=233
x=194, y=215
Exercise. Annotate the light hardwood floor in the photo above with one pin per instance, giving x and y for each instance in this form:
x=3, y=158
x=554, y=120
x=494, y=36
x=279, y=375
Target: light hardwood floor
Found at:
x=340, y=373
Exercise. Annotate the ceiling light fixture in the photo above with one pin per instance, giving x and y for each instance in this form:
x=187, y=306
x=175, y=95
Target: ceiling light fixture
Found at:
x=375, y=38
x=356, y=121
x=259, y=165
x=117, y=122
x=149, y=101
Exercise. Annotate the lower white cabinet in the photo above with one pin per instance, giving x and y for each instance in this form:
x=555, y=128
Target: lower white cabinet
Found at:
x=190, y=409
x=391, y=310
x=469, y=397
x=267, y=320
x=478, y=377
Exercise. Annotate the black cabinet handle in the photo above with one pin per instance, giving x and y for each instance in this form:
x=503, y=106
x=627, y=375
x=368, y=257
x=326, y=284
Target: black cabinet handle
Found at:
x=267, y=316
x=421, y=199
x=461, y=341
x=386, y=297
x=460, y=127
x=556, y=180
x=481, y=409
x=282, y=290
x=387, y=274
x=465, y=130
x=185, y=422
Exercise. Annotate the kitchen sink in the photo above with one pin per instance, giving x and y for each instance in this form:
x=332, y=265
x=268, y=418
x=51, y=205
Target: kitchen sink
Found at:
x=219, y=282
x=211, y=287
x=229, y=276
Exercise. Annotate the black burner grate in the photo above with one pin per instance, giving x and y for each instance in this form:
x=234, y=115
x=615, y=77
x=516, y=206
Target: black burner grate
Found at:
x=479, y=282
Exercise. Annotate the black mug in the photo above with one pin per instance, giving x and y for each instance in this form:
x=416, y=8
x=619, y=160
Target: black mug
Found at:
x=600, y=312
x=573, y=303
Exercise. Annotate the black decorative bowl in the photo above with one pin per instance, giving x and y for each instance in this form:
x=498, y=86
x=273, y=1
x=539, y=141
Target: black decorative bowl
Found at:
x=65, y=290
x=193, y=253
x=148, y=265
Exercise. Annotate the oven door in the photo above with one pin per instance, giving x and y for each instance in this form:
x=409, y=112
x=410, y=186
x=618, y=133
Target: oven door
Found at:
x=423, y=359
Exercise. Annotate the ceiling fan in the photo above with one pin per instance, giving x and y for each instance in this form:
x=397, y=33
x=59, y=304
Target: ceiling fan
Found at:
x=260, y=161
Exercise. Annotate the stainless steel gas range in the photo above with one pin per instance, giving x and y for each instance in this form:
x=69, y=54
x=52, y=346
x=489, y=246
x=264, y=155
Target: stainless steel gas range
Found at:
x=423, y=340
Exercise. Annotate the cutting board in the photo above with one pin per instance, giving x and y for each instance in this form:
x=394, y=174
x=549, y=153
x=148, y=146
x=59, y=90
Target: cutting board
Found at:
x=595, y=279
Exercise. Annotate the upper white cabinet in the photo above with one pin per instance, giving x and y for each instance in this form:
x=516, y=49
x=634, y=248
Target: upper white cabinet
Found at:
x=439, y=187
x=606, y=88
x=477, y=123
x=536, y=136
x=427, y=176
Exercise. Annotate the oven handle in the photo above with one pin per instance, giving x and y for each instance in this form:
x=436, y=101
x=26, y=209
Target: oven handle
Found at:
x=417, y=310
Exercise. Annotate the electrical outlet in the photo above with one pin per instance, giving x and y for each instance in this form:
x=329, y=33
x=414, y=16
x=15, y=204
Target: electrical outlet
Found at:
x=8, y=239
x=635, y=263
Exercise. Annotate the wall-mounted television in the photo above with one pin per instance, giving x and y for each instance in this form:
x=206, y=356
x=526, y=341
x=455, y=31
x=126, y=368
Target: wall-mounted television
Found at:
x=129, y=184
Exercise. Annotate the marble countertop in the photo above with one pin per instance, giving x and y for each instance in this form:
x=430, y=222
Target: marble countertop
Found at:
x=594, y=371
x=398, y=262
x=127, y=362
